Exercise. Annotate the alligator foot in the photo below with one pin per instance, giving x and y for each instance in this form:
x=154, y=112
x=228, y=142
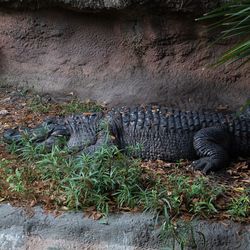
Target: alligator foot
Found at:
x=206, y=164
x=212, y=145
x=84, y=132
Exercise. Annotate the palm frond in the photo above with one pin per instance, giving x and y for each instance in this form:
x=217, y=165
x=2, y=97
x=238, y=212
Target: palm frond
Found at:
x=233, y=18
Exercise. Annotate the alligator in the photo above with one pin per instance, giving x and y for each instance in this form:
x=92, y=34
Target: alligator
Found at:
x=210, y=139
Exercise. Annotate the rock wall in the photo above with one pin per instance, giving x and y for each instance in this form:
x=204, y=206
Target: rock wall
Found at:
x=129, y=52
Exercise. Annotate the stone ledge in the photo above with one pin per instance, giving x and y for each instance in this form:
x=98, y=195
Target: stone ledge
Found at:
x=71, y=230
x=193, y=6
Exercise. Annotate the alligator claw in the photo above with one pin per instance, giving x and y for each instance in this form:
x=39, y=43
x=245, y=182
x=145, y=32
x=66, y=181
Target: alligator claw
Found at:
x=204, y=165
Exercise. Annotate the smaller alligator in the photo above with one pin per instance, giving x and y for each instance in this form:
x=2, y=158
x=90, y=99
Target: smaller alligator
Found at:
x=211, y=139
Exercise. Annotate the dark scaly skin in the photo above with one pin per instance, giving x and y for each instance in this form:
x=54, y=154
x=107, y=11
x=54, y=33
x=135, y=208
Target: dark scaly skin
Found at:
x=165, y=134
x=85, y=132
x=172, y=135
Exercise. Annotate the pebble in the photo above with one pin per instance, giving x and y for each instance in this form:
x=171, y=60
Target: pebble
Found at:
x=4, y=112
x=5, y=100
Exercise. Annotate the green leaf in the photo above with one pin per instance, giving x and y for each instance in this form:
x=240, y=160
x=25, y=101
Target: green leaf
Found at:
x=233, y=19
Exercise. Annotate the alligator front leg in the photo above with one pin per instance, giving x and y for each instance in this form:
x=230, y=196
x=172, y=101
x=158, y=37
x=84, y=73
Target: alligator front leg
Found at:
x=102, y=140
x=86, y=134
x=212, y=145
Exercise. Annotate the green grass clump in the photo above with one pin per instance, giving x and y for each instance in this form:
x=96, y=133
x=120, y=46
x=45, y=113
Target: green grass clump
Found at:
x=15, y=181
x=37, y=105
x=99, y=179
x=109, y=179
x=240, y=206
x=75, y=106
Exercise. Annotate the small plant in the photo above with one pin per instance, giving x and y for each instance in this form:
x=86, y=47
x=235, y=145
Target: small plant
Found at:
x=12, y=147
x=76, y=106
x=240, y=207
x=4, y=163
x=206, y=206
x=197, y=196
x=156, y=198
x=181, y=233
x=38, y=106
x=15, y=181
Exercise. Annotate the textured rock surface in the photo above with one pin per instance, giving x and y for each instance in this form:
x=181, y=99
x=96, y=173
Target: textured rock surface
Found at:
x=82, y=5
x=19, y=231
x=132, y=56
